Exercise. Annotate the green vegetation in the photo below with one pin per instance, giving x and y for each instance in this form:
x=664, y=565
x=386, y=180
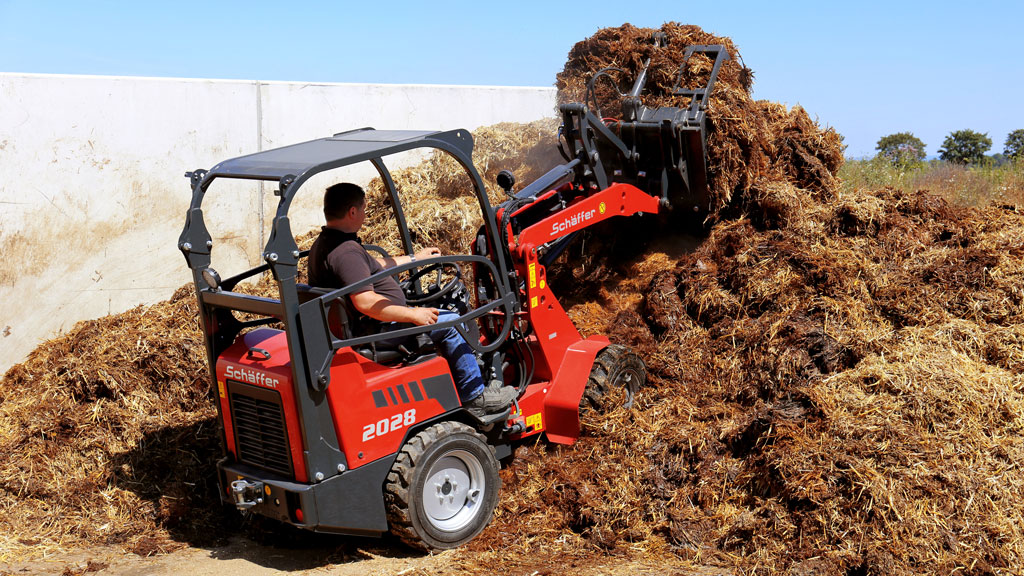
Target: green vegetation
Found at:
x=961, y=184
x=1014, y=147
x=965, y=147
x=903, y=149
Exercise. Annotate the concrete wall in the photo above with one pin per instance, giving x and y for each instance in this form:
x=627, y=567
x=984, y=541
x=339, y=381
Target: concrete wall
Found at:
x=92, y=193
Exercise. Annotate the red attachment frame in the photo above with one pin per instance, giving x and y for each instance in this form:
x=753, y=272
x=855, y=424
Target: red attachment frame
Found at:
x=563, y=359
x=615, y=200
x=554, y=330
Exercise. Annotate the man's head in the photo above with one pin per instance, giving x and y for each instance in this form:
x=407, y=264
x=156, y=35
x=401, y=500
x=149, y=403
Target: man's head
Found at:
x=344, y=206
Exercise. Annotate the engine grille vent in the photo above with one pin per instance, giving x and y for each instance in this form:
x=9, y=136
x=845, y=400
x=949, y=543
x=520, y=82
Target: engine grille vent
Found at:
x=261, y=437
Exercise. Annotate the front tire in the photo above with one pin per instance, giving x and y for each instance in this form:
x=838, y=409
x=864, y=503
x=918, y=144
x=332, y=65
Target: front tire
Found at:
x=443, y=487
x=614, y=380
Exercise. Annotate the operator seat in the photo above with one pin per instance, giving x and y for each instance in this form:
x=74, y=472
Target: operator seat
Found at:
x=345, y=322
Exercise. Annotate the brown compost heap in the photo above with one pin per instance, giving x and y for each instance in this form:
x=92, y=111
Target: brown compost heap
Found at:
x=834, y=378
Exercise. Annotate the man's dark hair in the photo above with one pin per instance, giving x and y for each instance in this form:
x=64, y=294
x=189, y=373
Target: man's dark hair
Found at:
x=340, y=197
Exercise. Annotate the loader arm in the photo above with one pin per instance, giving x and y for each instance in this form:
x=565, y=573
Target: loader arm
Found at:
x=543, y=226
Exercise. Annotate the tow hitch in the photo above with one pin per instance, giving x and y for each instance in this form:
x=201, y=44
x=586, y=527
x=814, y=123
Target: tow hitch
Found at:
x=246, y=494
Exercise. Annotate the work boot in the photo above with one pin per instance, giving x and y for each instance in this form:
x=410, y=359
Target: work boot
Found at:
x=493, y=400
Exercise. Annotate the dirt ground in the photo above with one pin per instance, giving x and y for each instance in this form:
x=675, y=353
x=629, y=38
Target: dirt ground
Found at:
x=323, y=555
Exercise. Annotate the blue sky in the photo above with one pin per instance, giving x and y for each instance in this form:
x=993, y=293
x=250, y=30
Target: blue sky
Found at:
x=867, y=68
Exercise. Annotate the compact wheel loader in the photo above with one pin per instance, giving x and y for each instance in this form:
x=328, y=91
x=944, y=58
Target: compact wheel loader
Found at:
x=327, y=428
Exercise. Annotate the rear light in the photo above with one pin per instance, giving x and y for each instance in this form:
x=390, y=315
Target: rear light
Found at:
x=295, y=507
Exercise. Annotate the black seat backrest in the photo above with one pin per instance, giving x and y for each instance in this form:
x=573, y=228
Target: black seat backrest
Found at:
x=345, y=322
x=339, y=316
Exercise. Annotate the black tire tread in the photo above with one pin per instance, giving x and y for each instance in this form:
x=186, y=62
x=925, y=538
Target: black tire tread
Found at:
x=397, y=498
x=602, y=374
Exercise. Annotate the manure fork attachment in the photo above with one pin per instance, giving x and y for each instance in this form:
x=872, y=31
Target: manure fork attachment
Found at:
x=659, y=150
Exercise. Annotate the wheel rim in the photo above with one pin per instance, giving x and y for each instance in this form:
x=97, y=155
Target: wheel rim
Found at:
x=454, y=490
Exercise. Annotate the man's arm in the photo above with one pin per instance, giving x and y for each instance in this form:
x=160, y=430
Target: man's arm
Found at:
x=380, y=308
x=392, y=261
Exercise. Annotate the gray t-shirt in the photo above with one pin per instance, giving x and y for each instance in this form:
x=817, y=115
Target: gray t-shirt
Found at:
x=338, y=259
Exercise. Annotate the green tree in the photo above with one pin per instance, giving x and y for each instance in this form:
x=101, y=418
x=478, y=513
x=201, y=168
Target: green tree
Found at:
x=902, y=148
x=965, y=147
x=1014, y=147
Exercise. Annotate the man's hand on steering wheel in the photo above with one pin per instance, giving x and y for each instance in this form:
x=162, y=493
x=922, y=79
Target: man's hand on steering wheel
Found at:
x=427, y=252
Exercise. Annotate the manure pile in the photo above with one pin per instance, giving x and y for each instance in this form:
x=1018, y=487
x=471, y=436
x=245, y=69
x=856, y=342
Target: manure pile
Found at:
x=834, y=378
x=838, y=395
x=109, y=435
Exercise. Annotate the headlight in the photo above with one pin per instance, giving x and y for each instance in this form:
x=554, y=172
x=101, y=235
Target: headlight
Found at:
x=212, y=278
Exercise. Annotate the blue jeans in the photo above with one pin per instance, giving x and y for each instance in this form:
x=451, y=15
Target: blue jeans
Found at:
x=468, y=380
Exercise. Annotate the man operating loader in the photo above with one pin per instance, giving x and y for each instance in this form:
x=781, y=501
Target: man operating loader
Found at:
x=337, y=258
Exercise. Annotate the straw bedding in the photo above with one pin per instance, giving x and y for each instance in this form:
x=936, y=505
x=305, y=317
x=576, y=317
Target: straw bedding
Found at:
x=834, y=396
x=834, y=378
x=109, y=435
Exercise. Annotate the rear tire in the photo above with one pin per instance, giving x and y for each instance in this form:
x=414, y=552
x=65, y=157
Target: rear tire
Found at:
x=442, y=488
x=614, y=380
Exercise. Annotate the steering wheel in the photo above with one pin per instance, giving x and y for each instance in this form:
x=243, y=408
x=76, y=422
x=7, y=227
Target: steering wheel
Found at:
x=435, y=290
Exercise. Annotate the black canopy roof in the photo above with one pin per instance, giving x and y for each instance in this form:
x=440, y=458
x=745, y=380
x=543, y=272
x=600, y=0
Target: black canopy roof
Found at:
x=339, y=150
